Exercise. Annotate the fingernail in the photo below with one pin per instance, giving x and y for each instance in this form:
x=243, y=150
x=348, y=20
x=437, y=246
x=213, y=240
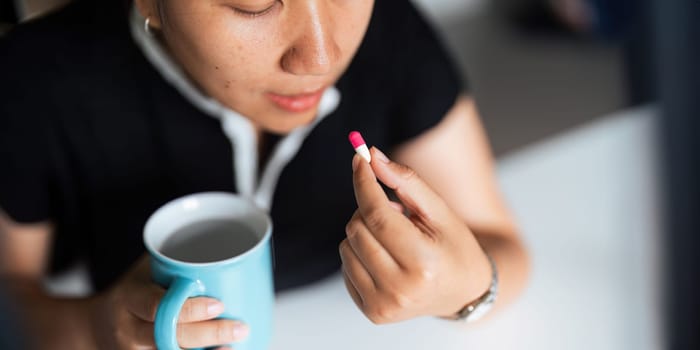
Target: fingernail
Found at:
x=215, y=308
x=240, y=331
x=355, y=162
x=381, y=156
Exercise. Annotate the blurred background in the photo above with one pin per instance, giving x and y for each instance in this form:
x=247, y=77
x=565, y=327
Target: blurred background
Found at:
x=590, y=106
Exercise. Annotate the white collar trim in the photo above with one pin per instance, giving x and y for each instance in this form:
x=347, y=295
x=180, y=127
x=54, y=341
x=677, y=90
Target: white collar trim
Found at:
x=239, y=130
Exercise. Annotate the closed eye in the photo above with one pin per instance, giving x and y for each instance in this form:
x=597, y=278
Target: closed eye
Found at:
x=255, y=13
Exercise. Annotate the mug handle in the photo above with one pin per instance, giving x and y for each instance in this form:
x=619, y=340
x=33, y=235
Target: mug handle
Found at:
x=165, y=330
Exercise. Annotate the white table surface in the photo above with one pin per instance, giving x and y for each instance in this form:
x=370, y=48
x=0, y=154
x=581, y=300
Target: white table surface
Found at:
x=585, y=201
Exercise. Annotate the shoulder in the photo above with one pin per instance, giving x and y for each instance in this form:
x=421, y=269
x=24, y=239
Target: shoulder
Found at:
x=42, y=40
x=60, y=43
x=58, y=65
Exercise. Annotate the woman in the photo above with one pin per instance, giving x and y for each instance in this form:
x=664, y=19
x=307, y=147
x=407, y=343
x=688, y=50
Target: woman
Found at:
x=104, y=120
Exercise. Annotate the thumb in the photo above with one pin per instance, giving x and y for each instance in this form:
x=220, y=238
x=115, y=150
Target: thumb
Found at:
x=413, y=192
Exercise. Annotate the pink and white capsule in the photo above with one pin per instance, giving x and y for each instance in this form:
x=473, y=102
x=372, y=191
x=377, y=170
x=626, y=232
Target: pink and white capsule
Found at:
x=360, y=146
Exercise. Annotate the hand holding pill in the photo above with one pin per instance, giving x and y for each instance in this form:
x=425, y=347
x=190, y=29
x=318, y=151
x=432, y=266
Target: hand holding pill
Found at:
x=396, y=266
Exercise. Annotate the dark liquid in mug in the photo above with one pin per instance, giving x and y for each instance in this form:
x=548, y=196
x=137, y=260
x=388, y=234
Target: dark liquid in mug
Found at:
x=209, y=241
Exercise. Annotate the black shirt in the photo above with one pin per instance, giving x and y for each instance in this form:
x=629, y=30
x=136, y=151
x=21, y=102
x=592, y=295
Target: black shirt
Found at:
x=93, y=138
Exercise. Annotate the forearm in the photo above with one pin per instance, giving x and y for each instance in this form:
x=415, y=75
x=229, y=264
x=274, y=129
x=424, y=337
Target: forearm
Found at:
x=55, y=323
x=512, y=263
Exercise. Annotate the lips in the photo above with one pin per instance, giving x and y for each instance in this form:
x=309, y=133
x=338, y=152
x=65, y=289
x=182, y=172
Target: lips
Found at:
x=296, y=103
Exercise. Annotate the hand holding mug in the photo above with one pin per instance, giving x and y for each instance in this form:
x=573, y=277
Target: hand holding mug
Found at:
x=123, y=317
x=217, y=245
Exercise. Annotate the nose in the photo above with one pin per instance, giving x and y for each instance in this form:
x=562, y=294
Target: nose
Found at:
x=314, y=50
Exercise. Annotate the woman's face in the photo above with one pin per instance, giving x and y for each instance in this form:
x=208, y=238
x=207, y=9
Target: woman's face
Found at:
x=269, y=60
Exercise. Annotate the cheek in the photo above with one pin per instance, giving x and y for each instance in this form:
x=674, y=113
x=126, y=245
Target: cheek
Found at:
x=242, y=67
x=244, y=43
x=238, y=52
x=220, y=51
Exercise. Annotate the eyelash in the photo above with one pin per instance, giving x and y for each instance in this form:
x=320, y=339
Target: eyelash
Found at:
x=254, y=14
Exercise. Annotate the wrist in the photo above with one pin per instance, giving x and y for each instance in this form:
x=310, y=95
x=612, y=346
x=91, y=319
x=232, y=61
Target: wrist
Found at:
x=477, y=303
x=89, y=316
x=74, y=329
x=98, y=316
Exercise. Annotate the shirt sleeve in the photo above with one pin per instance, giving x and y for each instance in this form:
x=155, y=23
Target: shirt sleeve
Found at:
x=427, y=80
x=24, y=175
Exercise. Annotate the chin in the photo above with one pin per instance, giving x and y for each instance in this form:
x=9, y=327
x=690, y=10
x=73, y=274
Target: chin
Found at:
x=284, y=123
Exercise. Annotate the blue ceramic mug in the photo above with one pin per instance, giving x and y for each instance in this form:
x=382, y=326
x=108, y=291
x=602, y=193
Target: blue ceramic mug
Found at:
x=213, y=244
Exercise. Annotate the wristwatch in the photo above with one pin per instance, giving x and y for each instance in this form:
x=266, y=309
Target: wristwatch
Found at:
x=481, y=306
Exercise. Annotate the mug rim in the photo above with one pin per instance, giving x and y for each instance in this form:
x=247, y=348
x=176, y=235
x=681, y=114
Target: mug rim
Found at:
x=170, y=205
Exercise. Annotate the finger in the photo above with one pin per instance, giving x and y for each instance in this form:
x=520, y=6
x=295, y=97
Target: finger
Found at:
x=378, y=212
x=413, y=192
x=200, y=309
x=210, y=333
x=354, y=294
x=142, y=301
x=396, y=206
x=374, y=257
x=357, y=273
x=141, y=333
x=372, y=202
x=382, y=220
x=142, y=297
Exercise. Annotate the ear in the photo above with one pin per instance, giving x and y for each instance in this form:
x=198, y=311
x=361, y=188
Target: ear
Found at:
x=149, y=9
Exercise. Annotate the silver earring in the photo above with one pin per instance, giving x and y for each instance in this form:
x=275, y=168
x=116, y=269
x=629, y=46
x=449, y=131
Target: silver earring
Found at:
x=147, y=25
